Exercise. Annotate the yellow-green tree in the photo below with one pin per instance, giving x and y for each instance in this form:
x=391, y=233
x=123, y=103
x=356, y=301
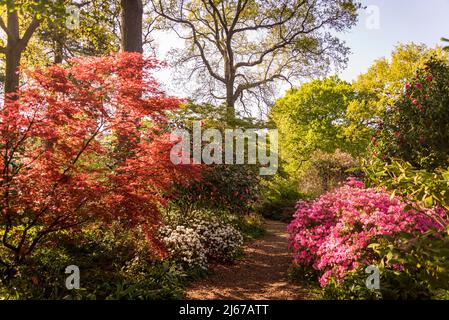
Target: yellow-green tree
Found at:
x=382, y=84
x=312, y=117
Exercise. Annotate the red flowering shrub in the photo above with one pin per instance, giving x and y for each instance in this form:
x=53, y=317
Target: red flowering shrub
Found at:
x=332, y=233
x=60, y=137
x=416, y=128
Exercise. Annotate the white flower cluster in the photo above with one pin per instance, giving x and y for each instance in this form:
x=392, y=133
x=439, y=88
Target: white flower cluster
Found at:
x=203, y=240
x=221, y=240
x=184, y=244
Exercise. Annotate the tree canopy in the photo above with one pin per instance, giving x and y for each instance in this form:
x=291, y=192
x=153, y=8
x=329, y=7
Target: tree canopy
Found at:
x=312, y=117
x=238, y=50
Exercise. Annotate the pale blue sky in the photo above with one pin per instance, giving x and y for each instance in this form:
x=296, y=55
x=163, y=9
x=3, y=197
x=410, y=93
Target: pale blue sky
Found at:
x=401, y=21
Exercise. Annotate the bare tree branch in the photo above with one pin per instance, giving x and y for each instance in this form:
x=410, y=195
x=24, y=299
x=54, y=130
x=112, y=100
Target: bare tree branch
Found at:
x=196, y=41
x=247, y=46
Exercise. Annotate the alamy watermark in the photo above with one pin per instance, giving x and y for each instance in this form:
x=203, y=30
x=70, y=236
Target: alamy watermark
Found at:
x=373, y=280
x=241, y=146
x=73, y=280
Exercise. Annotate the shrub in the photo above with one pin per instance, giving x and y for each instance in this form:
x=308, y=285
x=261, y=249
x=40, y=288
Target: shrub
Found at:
x=229, y=188
x=352, y=287
x=419, y=269
x=185, y=246
x=333, y=233
x=221, y=240
x=416, y=128
x=326, y=172
x=115, y=263
x=279, y=198
x=223, y=187
x=424, y=187
x=201, y=240
x=423, y=261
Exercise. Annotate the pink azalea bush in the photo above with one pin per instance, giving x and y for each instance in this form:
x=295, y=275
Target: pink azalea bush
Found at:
x=332, y=233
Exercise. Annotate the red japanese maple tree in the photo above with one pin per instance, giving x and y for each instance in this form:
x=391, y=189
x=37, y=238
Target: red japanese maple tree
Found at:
x=63, y=158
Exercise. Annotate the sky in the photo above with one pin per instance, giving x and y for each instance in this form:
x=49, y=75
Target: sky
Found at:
x=381, y=27
x=400, y=21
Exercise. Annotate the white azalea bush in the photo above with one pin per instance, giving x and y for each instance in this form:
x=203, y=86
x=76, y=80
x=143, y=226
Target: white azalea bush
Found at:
x=184, y=245
x=221, y=240
x=201, y=240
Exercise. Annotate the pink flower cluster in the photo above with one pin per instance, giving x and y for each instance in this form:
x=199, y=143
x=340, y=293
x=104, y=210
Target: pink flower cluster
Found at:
x=332, y=233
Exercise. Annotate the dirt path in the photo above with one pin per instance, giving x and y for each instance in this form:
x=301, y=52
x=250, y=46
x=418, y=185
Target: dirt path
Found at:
x=261, y=275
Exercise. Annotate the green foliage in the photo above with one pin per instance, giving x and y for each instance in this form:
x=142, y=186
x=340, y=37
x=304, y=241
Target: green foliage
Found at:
x=423, y=260
x=416, y=128
x=114, y=264
x=381, y=85
x=161, y=280
x=306, y=277
x=304, y=274
x=43, y=9
x=54, y=42
x=447, y=41
x=428, y=188
x=212, y=116
x=95, y=35
x=411, y=267
x=279, y=196
x=252, y=226
x=352, y=288
x=394, y=285
x=313, y=117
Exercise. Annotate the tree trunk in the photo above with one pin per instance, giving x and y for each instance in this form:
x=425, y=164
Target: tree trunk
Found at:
x=132, y=22
x=230, y=79
x=230, y=104
x=11, y=71
x=59, y=47
x=131, y=41
x=13, y=53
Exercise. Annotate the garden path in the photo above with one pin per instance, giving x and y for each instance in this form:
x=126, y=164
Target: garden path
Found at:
x=260, y=275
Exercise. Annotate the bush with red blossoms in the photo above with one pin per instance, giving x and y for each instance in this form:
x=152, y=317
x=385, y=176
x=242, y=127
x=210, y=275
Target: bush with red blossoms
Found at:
x=332, y=234
x=416, y=126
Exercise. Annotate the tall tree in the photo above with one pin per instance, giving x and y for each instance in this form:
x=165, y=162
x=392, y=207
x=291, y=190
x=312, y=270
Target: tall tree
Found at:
x=312, y=117
x=132, y=25
x=15, y=41
x=95, y=33
x=238, y=49
x=48, y=35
